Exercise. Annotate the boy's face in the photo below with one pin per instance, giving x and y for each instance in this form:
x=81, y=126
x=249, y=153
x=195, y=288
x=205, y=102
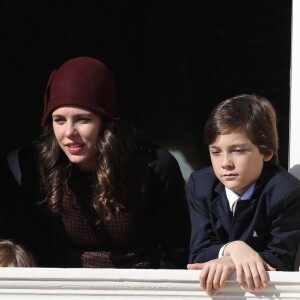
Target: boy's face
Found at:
x=236, y=161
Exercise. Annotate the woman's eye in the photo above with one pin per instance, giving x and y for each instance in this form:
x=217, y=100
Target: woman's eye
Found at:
x=83, y=120
x=58, y=121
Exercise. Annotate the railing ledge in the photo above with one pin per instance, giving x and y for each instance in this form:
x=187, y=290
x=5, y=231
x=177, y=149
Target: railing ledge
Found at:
x=53, y=283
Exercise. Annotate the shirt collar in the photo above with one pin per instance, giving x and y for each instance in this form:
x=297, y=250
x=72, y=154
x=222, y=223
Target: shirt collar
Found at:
x=232, y=196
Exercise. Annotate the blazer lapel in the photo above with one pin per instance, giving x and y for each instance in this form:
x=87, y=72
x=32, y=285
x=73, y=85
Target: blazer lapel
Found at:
x=220, y=208
x=246, y=211
x=239, y=225
x=243, y=217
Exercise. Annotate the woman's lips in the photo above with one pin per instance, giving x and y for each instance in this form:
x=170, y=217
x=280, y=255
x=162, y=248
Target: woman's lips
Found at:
x=74, y=148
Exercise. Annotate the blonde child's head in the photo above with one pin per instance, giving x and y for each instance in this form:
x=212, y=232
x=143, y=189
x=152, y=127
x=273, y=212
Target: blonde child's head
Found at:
x=14, y=255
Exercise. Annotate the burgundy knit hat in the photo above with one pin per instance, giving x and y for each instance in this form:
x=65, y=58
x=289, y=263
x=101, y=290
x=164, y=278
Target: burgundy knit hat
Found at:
x=81, y=81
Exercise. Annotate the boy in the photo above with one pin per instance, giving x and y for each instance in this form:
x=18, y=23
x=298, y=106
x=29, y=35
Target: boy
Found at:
x=261, y=231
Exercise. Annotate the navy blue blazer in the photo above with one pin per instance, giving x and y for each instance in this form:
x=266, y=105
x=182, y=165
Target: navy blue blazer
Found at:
x=269, y=222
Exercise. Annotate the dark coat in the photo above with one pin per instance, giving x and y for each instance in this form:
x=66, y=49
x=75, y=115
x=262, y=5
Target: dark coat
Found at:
x=29, y=223
x=269, y=222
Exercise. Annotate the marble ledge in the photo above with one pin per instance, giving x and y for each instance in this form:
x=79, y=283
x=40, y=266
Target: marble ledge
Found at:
x=53, y=283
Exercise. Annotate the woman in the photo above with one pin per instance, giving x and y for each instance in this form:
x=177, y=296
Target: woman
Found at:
x=109, y=197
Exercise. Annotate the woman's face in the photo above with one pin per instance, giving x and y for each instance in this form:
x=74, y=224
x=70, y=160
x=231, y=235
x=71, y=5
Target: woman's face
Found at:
x=77, y=131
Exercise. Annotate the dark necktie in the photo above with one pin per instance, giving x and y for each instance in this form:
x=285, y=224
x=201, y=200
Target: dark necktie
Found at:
x=234, y=206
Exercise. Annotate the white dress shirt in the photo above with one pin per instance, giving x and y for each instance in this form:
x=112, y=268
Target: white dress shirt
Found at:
x=232, y=197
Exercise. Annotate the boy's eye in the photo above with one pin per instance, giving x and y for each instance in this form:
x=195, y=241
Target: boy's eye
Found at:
x=214, y=152
x=239, y=150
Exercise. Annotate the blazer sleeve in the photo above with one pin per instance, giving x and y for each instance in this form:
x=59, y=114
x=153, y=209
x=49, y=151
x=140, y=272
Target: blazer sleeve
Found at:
x=205, y=244
x=283, y=238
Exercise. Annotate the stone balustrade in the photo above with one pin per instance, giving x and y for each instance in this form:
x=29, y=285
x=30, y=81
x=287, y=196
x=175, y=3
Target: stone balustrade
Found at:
x=79, y=284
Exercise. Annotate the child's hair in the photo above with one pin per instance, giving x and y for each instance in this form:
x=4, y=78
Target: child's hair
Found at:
x=251, y=114
x=14, y=255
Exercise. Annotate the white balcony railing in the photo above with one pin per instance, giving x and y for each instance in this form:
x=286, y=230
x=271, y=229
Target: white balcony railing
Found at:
x=44, y=283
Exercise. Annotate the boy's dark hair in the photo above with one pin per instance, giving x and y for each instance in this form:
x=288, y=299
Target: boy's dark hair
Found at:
x=251, y=114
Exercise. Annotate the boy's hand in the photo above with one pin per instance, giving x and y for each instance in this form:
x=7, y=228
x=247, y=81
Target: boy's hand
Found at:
x=250, y=267
x=214, y=273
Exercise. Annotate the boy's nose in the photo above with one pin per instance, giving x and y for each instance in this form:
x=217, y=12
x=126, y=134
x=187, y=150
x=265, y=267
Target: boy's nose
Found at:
x=227, y=162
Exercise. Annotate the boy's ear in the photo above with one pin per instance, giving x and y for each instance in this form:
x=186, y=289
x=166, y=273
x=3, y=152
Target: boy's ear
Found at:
x=268, y=155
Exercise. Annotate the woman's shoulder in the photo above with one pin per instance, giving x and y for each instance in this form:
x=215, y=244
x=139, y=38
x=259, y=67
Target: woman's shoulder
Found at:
x=22, y=162
x=161, y=159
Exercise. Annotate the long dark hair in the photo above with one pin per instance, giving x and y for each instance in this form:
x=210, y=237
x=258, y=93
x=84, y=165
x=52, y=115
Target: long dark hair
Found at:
x=117, y=145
